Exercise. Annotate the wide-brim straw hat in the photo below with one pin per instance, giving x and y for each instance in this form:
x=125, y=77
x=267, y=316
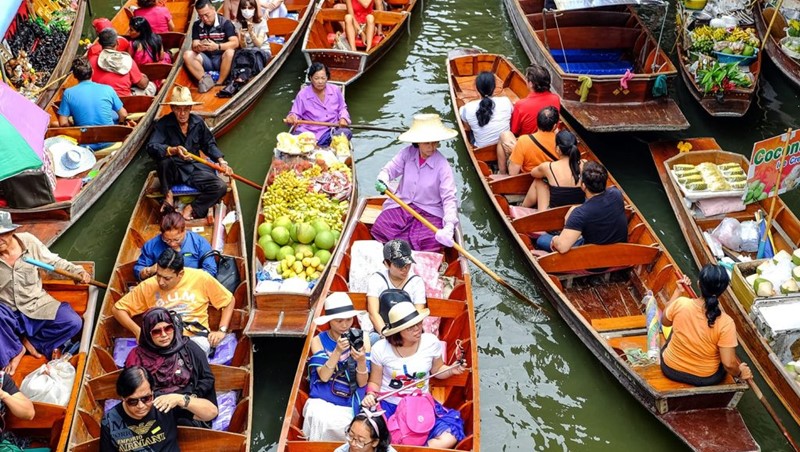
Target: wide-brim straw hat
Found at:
x=181, y=96
x=427, y=128
x=6, y=225
x=337, y=306
x=70, y=159
x=404, y=315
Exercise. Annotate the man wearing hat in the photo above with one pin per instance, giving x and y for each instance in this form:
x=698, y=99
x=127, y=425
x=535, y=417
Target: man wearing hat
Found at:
x=177, y=135
x=117, y=69
x=89, y=103
x=30, y=318
x=426, y=185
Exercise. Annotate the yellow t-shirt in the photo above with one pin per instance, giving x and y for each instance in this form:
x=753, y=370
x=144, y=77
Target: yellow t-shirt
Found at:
x=529, y=155
x=190, y=298
x=694, y=347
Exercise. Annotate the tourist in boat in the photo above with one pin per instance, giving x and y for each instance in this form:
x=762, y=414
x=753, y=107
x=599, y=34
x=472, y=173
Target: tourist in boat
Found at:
x=558, y=183
x=214, y=43
x=159, y=16
x=426, y=184
x=146, y=46
x=12, y=400
x=320, y=101
x=600, y=220
x=359, y=21
x=396, y=282
x=188, y=291
x=117, y=69
x=177, y=365
x=267, y=8
x=145, y=422
x=337, y=371
x=524, y=116
x=488, y=117
x=701, y=348
x=535, y=148
x=367, y=433
x=408, y=355
x=30, y=318
x=251, y=27
x=192, y=246
x=89, y=103
x=100, y=24
x=174, y=137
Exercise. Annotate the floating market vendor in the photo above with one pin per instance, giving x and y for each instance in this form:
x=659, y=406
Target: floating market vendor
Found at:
x=320, y=101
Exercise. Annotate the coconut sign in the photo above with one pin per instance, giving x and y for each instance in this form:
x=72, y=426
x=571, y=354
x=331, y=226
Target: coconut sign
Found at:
x=765, y=163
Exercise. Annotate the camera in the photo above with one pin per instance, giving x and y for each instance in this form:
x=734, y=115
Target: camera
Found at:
x=356, y=338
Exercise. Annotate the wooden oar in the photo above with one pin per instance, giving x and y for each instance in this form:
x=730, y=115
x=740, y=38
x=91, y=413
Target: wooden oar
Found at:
x=466, y=254
x=219, y=168
x=757, y=391
x=349, y=126
x=61, y=272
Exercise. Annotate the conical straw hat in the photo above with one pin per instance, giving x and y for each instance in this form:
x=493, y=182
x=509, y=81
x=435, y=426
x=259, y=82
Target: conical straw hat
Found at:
x=427, y=128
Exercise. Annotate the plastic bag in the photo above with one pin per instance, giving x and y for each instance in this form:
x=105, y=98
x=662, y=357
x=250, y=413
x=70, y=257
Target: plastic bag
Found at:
x=50, y=383
x=713, y=243
x=749, y=236
x=727, y=232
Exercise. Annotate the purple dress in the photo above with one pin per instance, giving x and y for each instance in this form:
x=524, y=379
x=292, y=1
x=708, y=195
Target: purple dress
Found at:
x=309, y=107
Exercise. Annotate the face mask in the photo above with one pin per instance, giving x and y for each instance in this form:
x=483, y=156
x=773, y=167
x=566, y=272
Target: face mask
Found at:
x=248, y=13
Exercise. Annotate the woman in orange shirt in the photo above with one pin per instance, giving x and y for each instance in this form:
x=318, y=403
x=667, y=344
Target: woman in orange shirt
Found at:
x=702, y=345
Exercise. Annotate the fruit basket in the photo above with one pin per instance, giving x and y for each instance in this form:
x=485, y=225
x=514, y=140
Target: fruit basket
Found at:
x=791, y=47
x=742, y=60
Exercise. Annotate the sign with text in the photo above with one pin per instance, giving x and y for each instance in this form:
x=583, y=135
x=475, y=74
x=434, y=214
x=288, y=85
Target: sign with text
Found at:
x=765, y=164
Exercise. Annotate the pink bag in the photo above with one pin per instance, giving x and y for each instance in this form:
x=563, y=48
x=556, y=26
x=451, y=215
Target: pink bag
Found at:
x=413, y=421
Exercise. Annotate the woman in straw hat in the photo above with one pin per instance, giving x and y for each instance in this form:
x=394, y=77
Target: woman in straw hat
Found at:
x=426, y=184
x=177, y=135
x=338, y=371
x=408, y=355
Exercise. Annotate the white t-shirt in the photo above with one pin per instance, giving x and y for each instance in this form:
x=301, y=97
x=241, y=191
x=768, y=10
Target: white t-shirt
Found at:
x=258, y=28
x=415, y=286
x=500, y=122
x=398, y=371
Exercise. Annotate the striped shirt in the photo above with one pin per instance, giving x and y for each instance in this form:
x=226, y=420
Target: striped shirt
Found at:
x=220, y=32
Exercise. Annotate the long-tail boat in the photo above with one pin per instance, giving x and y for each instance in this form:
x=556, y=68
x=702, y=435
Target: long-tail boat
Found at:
x=48, y=89
x=348, y=65
x=98, y=384
x=727, y=101
x=786, y=236
x=604, y=308
x=604, y=63
x=457, y=330
x=288, y=313
x=223, y=113
x=51, y=425
x=774, y=42
x=72, y=197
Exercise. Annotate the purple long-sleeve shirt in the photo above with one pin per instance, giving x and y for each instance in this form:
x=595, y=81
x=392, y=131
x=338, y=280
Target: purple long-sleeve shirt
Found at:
x=429, y=186
x=309, y=107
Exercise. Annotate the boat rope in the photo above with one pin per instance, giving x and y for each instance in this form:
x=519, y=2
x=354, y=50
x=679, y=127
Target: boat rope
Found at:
x=561, y=43
x=586, y=84
x=660, y=35
x=660, y=86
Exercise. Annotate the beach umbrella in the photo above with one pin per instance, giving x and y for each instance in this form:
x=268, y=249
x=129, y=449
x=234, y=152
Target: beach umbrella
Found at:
x=22, y=128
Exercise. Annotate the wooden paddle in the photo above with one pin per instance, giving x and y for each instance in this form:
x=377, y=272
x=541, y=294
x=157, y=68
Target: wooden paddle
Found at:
x=466, y=254
x=756, y=390
x=349, y=126
x=61, y=272
x=219, y=168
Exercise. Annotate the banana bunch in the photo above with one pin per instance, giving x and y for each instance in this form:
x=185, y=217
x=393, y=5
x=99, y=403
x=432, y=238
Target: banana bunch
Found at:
x=289, y=195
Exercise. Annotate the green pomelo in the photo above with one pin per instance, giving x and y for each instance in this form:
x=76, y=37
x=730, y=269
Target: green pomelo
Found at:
x=281, y=235
x=306, y=233
x=727, y=51
x=271, y=250
x=262, y=242
x=336, y=234
x=320, y=225
x=283, y=252
x=325, y=240
x=264, y=229
x=748, y=50
x=293, y=232
x=324, y=256
x=302, y=248
x=284, y=221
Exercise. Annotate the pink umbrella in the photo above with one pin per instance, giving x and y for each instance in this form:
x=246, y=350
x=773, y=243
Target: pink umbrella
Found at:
x=22, y=128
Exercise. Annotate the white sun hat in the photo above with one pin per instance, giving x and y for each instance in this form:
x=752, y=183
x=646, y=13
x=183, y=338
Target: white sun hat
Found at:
x=427, y=128
x=404, y=315
x=70, y=159
x=338, y=305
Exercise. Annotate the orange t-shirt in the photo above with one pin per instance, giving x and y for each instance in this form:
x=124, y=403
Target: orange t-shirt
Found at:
x=694, y=347
x=529, y=155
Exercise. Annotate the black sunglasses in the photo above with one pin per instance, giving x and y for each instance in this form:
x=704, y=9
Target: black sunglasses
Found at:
x=134, y=401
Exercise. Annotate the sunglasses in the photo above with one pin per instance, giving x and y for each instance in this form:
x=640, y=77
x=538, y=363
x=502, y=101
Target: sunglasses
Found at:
x=164, y=330
x=134, y=401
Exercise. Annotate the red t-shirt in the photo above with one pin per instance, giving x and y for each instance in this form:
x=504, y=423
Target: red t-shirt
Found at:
x=122, y=45
x=523, y=118
x=121, y=83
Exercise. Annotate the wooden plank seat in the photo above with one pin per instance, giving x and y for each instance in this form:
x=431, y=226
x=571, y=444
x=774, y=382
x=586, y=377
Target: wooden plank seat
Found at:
x=581, y=258
x=629, y=322
x=156, y=71
x=543, y=220
x=191, y=438
x=91, y=134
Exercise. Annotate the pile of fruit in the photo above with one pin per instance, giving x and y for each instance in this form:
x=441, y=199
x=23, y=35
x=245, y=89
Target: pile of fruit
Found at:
x=301, y=249
x=707, y=40
x=779, y=275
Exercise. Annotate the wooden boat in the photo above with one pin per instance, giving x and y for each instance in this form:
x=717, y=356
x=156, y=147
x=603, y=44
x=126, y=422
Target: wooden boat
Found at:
x=599, y=44
x=726, y=103
x=51, y=425
x=788, y=65
x=222, y=114
x=348, y=65
x=457, y=324
x=786, y=235
x=281, y=313
x=98, y=385
x=49, y=221
x=64, y=64
x=604, y=308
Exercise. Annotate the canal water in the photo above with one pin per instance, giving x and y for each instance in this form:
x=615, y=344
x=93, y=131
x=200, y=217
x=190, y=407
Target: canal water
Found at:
x=540, y=388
